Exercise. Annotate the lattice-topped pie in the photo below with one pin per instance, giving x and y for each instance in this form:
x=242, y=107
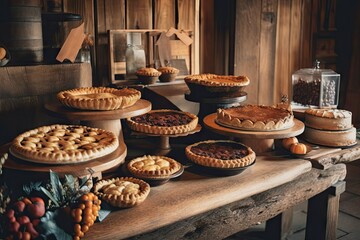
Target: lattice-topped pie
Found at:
x=153, y=166
x=122, y=192
x=60, y=144
x=255, y=117
x=215, y=85
x=164, y=121
x=220, y=154
x=99, y=98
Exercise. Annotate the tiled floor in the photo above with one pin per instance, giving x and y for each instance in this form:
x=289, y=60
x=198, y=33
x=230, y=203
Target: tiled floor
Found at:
x=349, y=215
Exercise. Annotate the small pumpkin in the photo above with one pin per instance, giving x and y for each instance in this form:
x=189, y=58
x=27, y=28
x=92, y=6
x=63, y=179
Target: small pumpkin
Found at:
x=298, y=148
x=287, y=142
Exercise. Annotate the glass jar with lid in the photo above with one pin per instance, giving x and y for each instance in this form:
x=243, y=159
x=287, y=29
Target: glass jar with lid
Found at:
x=316, y=87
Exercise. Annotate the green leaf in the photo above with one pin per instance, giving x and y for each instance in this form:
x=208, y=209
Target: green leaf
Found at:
x=49, y=195
x=57, y=187
x=70, y=182
x=55, y=225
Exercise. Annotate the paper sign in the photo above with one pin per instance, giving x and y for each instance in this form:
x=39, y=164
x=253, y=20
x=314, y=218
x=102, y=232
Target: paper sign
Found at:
x=72, y=44
x=181, y=35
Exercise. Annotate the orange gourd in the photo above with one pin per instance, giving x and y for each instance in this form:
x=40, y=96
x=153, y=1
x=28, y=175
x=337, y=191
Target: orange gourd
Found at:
x=298, y=148
x=287, y=142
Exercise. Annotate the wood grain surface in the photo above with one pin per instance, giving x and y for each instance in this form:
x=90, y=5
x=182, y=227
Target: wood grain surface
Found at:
x=193, y=194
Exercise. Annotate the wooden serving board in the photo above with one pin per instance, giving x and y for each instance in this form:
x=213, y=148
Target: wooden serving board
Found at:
x=98, y=165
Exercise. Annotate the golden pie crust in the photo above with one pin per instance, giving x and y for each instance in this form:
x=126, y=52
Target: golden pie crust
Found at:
x=165, y=70
x=218, y=80
x=150, y=72
x=61, y=144
x=153, y=166
x=163, y=122
x=328, y=119
x=255, y=117
x=220, y=154
x=99, y=98
x=123, y=192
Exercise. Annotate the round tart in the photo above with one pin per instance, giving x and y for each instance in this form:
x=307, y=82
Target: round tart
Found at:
x=255, y=117
x=168, y=74
x=212, y=85
x=60, y=144
x=328, y=119
x=164, y=121
x=122, y=192
x=153, y=166
x=148, y=75
x=99, y=98
x=220, y=154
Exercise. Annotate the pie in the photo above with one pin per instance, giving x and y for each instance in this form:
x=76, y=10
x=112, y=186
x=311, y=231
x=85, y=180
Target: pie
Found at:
x=59, y=144
x=255, y=117
x=328, y=119
x=215, y=85
x=163, y=121
x=153, y=166
x=168, y=74
x=122, y=192
x=220, y=154
x=339, y=138
x=99, y=98
x=148, y=75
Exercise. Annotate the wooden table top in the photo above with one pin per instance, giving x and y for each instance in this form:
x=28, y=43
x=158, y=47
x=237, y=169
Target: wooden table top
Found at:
x=192, y=194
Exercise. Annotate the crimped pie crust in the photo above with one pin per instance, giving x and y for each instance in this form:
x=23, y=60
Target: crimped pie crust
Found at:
x=215, y=157
x=217, y=80
x=159, y=116
x=153, y=166
x=255, y=117
x=166, y=70
x=150, y=72
x=328, y=119
x=59, y=144
x=122, y=192
x=99, y=98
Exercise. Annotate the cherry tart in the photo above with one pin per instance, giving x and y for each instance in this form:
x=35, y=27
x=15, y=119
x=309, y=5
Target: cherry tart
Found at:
x=163, y=122
x=61, y=144
x=123, y=192
x=220, y=154
x=99, y=98
x=153, y=166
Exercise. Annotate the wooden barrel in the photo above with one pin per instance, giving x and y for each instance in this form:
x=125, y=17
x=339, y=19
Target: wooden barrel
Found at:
x=21, y=30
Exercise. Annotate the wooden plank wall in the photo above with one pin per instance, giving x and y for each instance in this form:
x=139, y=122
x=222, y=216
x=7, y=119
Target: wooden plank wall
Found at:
x=103, y=15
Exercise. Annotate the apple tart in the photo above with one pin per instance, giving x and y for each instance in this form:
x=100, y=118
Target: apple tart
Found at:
x=220, y=154
x=153, y=166
x=212, y=85
x=99, y=98
x=163, y=121
x=255, y=117
x=123, y=192
x=61, y=144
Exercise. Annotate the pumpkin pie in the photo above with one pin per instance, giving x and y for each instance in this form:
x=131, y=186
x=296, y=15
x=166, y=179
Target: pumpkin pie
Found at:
x=220, y=154
x=60, y=144
x=99, y=98
x=153, y=166
x=255, y=117
x=123, y=192
x=163, y=122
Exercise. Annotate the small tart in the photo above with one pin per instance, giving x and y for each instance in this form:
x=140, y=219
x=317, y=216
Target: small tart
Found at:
x=168, y=74
x=123, y=192
x=217, y=80
x=60, y=144
x=255, y=117
x=150, y=72
x=153, y=166
x=220, y=154
x=163, y=121
x=165, y=70
x=99, y=98
x=328, y=119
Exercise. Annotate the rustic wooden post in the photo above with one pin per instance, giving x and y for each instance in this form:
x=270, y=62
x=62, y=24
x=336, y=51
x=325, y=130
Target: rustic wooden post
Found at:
x=279, y=227
x=323, y=210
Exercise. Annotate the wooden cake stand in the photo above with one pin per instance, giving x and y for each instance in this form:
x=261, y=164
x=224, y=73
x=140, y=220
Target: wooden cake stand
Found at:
x=108, y=120
x=98, y=165
x=209, y=105
x=163, y=146
x=259, y=141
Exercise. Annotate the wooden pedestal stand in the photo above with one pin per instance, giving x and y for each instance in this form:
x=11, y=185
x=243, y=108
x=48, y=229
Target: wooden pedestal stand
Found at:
x=210, y=105
x=108, y=120
x=163, y=147
x=260, y=142
x=24, y=169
